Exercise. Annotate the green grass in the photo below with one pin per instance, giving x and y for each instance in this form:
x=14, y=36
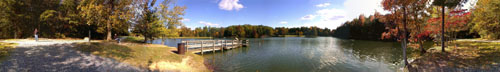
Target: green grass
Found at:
x=5, y=48
x=133, y=39
x=461, y=54
x=141, y=55
x=141, y=39
x=190, y=37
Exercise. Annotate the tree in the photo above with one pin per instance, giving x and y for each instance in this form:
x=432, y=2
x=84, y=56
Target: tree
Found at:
x=110, y=12
x=8, y=16
x=398, y=8
x=153, y=21
x=486, y=19
x=444, y=4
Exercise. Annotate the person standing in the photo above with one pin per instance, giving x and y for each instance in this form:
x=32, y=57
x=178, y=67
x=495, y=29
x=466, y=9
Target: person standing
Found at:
x=36, y=35
x=117, y=38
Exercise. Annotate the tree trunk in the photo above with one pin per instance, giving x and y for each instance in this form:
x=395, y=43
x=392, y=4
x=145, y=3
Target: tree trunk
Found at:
x=145, y=39
x=422, y=50
x=442, y=29
x=109, y=31
x=110, y=20
x=404, y=36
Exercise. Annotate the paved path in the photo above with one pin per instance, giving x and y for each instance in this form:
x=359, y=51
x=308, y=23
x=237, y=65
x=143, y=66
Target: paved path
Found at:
x=50, y=56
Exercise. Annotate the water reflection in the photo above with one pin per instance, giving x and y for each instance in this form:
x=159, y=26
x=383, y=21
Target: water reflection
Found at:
x=298, y=54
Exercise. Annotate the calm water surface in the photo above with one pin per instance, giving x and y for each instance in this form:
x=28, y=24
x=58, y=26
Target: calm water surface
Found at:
x=296, y=54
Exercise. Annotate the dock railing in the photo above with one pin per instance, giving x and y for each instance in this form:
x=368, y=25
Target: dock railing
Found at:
x=201, y=46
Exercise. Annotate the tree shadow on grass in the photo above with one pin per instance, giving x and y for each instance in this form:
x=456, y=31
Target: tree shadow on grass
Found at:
x=466, y=57
x=60, y=57
x=106, y=49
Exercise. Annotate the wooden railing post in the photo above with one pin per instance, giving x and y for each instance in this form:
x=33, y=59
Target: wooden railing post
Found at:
x=232, y=44
x=213, y=46
x=223, y=44
x=186, y=47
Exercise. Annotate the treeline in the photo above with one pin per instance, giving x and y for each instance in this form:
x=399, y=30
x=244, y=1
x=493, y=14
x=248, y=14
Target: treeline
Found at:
x=253, y=31
x=362, y=28
x=99, y=19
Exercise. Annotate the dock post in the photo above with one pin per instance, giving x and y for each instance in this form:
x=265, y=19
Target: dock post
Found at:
x=213, y=46
x=186, y=47
x=223, y=44
x=201, y=51
x=232, y=44
x=180, y=48
x=239, y=43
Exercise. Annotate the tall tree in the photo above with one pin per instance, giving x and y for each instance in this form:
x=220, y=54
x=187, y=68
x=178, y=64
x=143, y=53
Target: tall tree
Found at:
x=398, y=8
x=154, y=21
x=106, y=14
x=444, y=4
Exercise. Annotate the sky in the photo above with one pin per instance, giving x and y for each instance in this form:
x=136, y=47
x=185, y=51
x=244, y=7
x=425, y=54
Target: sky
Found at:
x=275, y=13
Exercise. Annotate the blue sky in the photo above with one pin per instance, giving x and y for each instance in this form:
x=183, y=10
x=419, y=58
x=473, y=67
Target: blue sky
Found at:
x=275, y=13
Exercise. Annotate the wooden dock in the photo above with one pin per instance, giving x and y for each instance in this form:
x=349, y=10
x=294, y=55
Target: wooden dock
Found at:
x=202, y=46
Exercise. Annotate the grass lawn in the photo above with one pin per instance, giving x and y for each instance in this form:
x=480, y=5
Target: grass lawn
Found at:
x=460, y=55
x=152, y=56
x=4, y=50
x=141, y=39
x=190, y=37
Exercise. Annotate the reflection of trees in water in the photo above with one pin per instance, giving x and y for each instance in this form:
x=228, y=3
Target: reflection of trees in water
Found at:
x=388, y=52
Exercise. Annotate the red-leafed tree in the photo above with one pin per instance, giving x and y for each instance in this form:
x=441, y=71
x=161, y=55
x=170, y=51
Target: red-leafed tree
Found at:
x=456, y=21
x=443, y=4
x=406, y=18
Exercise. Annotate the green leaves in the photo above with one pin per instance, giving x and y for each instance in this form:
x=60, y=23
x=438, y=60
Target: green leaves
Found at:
x=48, y=14
x=448, y=3
x=486, y=19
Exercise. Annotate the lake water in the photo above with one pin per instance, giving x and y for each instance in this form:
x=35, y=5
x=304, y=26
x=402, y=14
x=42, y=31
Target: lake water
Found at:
x=297, y=54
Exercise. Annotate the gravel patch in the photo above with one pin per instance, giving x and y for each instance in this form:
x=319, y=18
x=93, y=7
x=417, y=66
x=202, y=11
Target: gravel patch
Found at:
x=43, y=56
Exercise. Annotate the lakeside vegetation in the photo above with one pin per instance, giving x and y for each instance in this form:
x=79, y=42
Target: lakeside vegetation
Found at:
x=148, y=56
x=5, y=48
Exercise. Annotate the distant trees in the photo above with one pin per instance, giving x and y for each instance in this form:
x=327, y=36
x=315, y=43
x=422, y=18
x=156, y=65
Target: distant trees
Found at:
x=486, y=19
x=363, y=28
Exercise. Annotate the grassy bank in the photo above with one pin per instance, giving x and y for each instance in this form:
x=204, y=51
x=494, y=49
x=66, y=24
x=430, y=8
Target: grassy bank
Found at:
x=190, y=37
x=152, y=56
x=461, y=55
x=140, y=39
x=5, y=48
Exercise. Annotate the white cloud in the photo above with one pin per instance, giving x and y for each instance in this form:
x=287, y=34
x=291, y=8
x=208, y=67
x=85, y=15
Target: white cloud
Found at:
x=329, y=18
x=230, y=5
x=334, y=17
x=331, y=14
x=354, y=8
x=185, y=20
x=469, y=4
x=308, y=17
x=208, y=23
x=283, y=22
x=323, y=5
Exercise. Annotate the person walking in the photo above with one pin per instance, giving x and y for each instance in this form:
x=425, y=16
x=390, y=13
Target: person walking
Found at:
x=36, y=35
